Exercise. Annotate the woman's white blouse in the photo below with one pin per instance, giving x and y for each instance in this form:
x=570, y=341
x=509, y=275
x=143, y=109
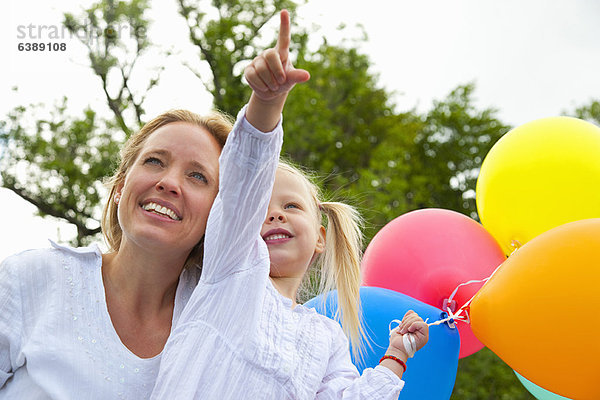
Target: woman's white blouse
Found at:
x=238, y=338
x=57, y=340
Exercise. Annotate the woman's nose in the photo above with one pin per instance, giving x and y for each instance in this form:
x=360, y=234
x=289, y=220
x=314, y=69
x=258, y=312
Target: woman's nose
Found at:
x=169, y=184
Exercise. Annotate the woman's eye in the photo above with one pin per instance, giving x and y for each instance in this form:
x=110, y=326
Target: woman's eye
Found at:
x=199, y=176
x=153, y=160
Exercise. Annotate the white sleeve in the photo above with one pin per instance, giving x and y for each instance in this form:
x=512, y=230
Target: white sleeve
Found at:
x=10, y=318
x=246, y=173
x=341, y=380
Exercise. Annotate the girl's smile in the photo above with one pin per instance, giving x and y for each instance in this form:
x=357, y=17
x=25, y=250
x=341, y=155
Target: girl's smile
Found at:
x=276, y=236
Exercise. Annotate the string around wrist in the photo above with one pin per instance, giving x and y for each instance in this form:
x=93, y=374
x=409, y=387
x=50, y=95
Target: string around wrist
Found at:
x=391, y=357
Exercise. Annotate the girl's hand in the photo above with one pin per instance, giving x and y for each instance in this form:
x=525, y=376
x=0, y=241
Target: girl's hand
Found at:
x=271, y=75
x=412, y=325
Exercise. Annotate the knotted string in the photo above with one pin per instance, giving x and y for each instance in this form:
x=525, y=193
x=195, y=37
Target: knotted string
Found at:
x=457, y=316
x=450, y=316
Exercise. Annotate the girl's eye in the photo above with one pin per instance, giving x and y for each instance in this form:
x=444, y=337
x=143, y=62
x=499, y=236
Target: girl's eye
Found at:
x=291, y=205
x=199, y=176
x=153, y=160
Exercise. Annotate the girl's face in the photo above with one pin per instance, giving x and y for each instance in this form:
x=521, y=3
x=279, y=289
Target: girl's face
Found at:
x=291, y=230
x=169, y=190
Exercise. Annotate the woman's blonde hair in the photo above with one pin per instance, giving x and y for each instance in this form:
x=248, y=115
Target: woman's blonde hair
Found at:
x=217, y=124
x=339, y=264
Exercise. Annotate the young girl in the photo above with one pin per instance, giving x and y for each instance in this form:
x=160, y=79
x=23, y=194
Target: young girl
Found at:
x=242, y=335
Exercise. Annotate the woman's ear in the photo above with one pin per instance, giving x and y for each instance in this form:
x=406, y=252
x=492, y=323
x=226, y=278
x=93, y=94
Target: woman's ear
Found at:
x=118, y=192
x=321, y=240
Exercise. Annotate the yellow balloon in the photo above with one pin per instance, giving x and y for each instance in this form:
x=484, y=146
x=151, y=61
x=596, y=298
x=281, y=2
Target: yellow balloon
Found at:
x=539, y=311
x=539, y=175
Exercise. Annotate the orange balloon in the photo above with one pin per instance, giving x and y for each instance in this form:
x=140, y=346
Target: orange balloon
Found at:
x=539, y=312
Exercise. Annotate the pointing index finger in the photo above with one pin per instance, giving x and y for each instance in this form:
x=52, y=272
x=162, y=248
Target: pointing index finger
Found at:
x=284, y=38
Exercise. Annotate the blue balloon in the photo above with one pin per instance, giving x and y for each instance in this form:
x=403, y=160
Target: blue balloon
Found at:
x=431, y=372
x=537, y=391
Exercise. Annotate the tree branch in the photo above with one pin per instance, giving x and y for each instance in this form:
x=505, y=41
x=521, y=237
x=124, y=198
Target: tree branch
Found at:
x=47, y=209
x=199, y=76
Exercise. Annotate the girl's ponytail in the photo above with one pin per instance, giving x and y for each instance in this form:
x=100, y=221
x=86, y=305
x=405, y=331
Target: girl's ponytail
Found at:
x=340, y=268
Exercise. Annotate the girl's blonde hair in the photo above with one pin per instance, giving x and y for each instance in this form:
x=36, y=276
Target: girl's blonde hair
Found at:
x=339, y=264
x=217, y=124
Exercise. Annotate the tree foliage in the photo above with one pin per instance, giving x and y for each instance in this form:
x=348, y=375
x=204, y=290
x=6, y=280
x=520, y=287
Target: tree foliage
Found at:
x=340, y=124
x=589, y=112
x=58, y=163
x=483, y=376
x=116, y=41
x=227, y=34
x=450, y=150
x=389, y=162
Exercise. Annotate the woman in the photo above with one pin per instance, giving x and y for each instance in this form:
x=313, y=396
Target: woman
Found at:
x=77, y=324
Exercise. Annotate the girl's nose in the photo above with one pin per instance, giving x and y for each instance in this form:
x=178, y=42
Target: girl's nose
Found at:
x=275, y=216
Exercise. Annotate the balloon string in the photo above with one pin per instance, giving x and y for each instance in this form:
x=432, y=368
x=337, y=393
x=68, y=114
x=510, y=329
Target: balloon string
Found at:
x=457, y=316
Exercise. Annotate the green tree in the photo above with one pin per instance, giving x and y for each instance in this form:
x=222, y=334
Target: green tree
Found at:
x=58, y=162
x=342, y=125
x=430, y=160
x=116, y=42
x=589, y=112
x=450, y=150
x=228, y=33
x=483, y=376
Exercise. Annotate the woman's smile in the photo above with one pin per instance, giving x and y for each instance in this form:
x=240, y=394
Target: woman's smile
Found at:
x=163, y=209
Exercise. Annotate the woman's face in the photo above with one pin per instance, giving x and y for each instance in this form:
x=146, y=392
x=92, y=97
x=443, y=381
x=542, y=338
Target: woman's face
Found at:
x=169, y=190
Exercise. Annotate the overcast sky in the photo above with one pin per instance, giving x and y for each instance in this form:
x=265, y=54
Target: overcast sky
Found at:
x=529, y=59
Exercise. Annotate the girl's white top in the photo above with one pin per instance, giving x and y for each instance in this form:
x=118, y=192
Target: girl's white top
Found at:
x=238, y=338
x=57, y=340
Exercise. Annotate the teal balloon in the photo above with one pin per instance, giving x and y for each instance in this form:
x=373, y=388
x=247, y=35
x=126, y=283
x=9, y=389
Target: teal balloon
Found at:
x=538, y=392
x=431, y=372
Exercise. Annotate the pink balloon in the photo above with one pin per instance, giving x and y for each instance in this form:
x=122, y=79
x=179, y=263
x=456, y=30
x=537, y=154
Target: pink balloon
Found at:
x=426, y=254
